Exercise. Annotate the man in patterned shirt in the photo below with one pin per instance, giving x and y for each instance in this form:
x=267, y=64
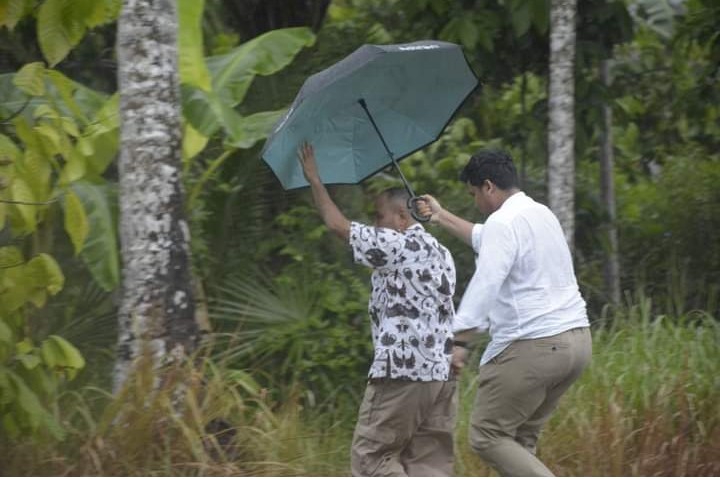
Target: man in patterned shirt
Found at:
x=406, y=419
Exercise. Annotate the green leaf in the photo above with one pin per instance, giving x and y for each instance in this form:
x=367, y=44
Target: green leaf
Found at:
x=24, y=346
x=74, y=169
x=100, y=252
x=191, y=58
x=202, y=109
x=36, y=170
x=45, y=273
x=58, y=29
x=66, y=88
x=266, y=54
x=10, y=256
x=242, y=379
x=97, y=12
x=540, y=14
x=20, y=191
x=520, y=17
x=468, y=32
x=30, y=79
x=30, y=361
x=193, y=142
x=50, y=353
x=63, y=353
x=9, y=152
x=6, y=335
x=28, y=402
x=76, y=221
x=50, y=138
x=11, y=11
x=250, y=129
x=102, y=137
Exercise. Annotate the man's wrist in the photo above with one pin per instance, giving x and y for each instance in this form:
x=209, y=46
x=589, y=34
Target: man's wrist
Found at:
x=439, y=216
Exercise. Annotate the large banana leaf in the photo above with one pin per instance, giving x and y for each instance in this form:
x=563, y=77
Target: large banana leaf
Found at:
x=266, y=54
x=232, y=74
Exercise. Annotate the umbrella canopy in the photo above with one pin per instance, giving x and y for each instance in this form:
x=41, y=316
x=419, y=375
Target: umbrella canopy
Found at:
x=377, y=105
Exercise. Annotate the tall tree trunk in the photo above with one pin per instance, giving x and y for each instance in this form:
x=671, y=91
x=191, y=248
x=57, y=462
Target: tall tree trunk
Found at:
x=607, y=185
x=561, y=128
x=157, y=311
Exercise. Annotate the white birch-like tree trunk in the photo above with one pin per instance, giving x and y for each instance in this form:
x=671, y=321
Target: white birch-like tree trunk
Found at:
x=607, y=185
x=561, y=104
x=157, y=311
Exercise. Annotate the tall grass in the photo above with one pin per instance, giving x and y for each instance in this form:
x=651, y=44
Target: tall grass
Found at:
x=647, y=405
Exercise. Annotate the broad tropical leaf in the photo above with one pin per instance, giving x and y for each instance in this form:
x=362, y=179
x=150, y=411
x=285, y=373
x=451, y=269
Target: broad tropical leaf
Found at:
x=193, y=70
x=246, y=131
x=266, y=54
x=76, y=221
x=100, y=253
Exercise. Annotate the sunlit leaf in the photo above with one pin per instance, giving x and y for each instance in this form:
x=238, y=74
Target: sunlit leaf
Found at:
x=21, y=192
x=31, y=79
x=76, y=221
x=57, y=29
x=191, y=58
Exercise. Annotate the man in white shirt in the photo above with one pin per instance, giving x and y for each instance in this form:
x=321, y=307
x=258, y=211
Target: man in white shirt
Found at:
x=407, y=416
x=525, y=294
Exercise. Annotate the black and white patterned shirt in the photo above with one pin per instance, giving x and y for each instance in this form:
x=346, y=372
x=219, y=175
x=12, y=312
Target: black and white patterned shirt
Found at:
x=411, y=307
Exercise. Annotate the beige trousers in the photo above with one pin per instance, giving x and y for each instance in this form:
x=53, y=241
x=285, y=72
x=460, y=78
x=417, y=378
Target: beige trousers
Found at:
x=517, y=392
x=405, y=428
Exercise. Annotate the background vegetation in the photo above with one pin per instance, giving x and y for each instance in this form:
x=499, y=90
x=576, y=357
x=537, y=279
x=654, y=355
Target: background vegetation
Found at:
x=277, y=385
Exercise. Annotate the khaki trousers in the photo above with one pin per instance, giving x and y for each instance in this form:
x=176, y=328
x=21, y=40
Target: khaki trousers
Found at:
x=405, y=428
x=517, y=392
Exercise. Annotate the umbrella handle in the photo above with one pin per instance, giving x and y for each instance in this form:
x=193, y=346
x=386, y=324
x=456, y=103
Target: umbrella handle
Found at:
x=411, y=204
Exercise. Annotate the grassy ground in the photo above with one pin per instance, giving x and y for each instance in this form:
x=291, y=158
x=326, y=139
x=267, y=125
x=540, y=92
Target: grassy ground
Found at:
x=648, y=405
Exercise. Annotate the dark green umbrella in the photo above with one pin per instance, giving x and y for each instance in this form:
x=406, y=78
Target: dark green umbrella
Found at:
x=376, y=106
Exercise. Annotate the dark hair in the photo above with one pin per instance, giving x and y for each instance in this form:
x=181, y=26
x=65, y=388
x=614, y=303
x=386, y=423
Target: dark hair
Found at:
x=494, y=165
x=396, y=193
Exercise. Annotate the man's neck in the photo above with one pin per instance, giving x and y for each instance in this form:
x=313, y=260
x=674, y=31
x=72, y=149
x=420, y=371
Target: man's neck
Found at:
x=503, y=195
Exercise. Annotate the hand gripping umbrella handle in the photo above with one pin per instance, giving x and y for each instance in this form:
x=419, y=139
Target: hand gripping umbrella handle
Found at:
x=412, y=206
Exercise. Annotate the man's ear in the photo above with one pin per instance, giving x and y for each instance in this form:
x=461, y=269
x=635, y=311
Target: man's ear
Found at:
x=405, y=218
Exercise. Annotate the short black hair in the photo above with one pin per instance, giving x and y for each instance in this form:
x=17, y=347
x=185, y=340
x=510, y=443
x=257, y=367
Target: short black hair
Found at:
x=494, y=165
x=396, y=193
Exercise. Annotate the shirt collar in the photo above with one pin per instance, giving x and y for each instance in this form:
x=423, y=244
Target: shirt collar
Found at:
x=519, y=196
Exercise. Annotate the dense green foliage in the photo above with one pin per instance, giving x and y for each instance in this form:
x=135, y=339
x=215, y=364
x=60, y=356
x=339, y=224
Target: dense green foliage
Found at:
x=647, y=404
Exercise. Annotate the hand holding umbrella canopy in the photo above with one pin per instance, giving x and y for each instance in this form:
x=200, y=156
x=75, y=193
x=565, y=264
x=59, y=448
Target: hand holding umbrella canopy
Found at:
x=376, y=106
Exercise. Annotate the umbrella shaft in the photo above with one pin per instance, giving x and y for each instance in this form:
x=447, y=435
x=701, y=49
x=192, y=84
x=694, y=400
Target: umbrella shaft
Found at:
x=382, y=139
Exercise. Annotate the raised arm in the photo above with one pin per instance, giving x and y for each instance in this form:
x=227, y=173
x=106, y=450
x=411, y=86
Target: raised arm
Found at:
x=331, y=214
x=454, y=224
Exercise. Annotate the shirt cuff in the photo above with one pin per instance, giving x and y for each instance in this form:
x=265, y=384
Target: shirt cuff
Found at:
x=463, y=323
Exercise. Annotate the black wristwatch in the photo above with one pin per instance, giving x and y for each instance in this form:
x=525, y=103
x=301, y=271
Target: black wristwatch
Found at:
x=462, y=344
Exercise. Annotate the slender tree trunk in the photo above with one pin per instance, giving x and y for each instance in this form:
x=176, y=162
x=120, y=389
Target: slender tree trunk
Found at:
x=157, y=310
x=607, y=185
x=561, y=128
